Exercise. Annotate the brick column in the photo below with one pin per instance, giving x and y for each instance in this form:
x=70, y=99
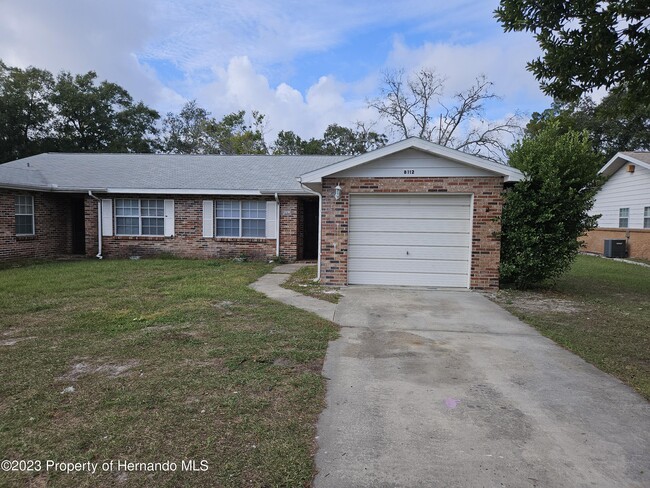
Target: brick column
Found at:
x=289, y=228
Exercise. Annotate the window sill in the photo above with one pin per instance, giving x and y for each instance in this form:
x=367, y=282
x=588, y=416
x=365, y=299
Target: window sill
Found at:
x=242, y=239
x=140, y=238
x=25, y=237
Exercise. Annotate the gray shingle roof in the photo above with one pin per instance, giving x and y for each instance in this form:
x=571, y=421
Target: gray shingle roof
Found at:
x=640, y=155
x=61, y=172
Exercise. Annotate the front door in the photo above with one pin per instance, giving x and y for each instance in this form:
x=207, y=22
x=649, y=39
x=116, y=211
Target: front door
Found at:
x=78, y=226
x=310, y=229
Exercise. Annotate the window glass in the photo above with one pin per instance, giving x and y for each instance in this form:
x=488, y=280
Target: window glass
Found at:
x=240, y=218
x=227, y=227
x=253, y=210
x=646, y=218
x=253, y=228
x=139, y=217
x=623, y=217
x=24, y=215
x=227, y=209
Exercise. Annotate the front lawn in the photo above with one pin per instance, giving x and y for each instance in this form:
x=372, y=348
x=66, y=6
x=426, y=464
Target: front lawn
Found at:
x=600, y=310
x=157, y=360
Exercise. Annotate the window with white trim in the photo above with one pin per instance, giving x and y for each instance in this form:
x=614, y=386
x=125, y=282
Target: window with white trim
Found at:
x=139, y=217
x=623, y=217
x=24, y=215
x=646, y=218
x=245, y=218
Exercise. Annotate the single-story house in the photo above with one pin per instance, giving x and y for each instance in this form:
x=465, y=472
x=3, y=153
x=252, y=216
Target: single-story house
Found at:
x=624, y=205
x=411, y=213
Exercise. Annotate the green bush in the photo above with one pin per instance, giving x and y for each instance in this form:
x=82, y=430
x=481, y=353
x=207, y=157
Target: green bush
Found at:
x=545, y=214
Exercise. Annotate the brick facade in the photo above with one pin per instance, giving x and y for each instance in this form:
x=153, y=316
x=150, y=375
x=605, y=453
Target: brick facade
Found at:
x=638, y=241
x=51, y=222
x=188, y=240
x=486, y=244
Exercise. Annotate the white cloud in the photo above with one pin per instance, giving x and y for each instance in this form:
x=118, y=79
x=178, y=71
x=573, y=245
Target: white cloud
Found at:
x=502, y=59
x=80, y=36
x=239, y=86
x=223, y=51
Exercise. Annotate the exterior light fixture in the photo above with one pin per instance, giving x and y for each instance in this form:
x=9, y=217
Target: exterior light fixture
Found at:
x=337, y=192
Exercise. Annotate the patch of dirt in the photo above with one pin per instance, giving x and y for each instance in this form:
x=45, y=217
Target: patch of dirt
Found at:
x=107, y=369
x=537, y=303
x=14, y=341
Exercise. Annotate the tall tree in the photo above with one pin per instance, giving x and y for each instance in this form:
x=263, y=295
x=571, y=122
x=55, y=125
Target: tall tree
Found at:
x=586, y=44
x=25, y=111
x=232, y=135
x=100, y=117
x=413, y=106
x=619, y=122
x=336, y=140
x=545, y=214
x=194, y=131
x=185, y=132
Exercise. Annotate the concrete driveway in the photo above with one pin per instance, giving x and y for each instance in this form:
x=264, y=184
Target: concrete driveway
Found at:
x=444, y=388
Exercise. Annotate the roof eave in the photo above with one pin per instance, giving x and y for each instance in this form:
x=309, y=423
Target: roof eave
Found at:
x=509, y=173
x=618, y=160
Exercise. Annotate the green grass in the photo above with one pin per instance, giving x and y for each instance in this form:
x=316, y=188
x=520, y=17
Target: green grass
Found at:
x=169, y=360
x=302, y=281
x=600, y=310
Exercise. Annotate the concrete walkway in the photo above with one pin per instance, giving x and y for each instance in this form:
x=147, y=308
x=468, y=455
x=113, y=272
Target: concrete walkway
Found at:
x=270, y=285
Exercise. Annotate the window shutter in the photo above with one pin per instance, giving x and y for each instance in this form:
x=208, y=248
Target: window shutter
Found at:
x=169, y=218
x=271, y=219
x=208, y=218
x=107, y=217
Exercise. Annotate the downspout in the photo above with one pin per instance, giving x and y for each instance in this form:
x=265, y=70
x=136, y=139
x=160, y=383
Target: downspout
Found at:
x=277, y=226
x=99, y=224
x=320, y=223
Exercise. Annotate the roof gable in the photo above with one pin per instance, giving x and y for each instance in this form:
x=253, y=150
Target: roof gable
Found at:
x=430, y=148
x=622, y=158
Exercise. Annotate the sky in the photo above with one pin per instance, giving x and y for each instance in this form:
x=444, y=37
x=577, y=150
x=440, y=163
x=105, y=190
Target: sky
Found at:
x=305, y=64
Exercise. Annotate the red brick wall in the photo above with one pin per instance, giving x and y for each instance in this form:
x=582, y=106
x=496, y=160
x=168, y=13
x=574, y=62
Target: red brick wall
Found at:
x=638, y=241
x=289, y=228
x=486, y=245
x=51, y=221
x=188, y=240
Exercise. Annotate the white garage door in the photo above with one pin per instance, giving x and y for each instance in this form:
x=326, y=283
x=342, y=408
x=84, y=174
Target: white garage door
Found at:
x=417, y=240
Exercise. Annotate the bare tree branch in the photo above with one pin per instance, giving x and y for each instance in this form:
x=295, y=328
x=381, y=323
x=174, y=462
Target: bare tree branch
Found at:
x=409, y=105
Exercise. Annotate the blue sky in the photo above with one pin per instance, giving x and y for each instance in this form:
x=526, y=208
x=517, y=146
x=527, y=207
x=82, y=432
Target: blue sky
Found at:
x=304, y=63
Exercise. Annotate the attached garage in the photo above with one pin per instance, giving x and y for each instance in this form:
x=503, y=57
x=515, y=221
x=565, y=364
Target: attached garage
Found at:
x=411, y=214
x=408, y=239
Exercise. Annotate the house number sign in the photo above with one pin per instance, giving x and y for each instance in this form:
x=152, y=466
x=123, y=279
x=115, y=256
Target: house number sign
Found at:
x=409, y=171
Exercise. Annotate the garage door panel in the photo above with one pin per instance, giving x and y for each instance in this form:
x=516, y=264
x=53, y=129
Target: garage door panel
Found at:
x=410, y=225
x=401, y=239
x=429, y=266
x=416, y=240
x=392, y=199
x=414, y=211
x=408, y=279
x=414, y=252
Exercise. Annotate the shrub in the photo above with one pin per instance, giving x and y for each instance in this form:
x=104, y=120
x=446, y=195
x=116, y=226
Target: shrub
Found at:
x=545, y=214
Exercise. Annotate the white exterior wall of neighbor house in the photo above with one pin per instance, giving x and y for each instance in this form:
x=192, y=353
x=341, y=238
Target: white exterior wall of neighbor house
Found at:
x=623, y=190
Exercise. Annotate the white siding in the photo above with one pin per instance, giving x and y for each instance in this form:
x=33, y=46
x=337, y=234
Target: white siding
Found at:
x=413, y=163
x=624, y=190
x=417, y=240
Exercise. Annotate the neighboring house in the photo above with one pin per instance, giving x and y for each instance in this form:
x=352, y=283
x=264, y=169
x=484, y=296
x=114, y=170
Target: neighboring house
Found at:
x=624, y=205
x=412, y=213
